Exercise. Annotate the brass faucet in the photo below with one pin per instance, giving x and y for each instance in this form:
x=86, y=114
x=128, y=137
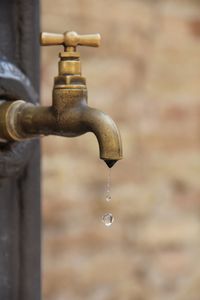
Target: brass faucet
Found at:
x=69, y=114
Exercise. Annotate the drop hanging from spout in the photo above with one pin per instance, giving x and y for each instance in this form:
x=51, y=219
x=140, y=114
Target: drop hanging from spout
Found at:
x=110, y=163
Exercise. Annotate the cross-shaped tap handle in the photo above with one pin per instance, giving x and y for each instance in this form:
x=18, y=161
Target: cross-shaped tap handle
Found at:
x=70, y=39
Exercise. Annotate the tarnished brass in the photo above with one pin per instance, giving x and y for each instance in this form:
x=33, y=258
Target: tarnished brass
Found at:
x=72, y=66
x=70, y=39
x=69, y=114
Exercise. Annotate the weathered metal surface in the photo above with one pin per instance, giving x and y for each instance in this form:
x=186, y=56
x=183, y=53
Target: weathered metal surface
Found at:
x=19, y=162
x=69, y=114
x=14, y=85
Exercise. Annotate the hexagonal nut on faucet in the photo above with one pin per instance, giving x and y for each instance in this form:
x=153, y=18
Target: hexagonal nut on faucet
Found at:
x=70, y=81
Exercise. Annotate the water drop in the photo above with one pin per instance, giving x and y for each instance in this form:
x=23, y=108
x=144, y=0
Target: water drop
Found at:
x=108, y=193
x=108, y=197
x=108, y=219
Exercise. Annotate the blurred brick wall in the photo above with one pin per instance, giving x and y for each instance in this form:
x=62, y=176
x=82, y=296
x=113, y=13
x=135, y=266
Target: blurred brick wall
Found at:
x=146, y=75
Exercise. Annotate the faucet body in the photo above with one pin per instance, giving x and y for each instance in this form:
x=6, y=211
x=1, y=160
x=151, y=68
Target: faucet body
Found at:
x=69, y=115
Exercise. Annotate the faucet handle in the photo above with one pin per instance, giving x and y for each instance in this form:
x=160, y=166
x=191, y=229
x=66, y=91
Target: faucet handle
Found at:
x=70, y=39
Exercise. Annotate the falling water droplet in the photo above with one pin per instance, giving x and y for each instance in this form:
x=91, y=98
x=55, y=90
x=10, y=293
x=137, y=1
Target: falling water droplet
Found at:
x=108, y=193
x=108, y=197
x=108, y=219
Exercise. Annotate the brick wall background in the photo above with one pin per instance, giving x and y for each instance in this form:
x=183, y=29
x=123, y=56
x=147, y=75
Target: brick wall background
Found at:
x=146, y=75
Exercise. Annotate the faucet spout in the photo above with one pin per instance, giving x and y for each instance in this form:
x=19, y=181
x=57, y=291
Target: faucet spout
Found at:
x=106, y=132
x=24, y=121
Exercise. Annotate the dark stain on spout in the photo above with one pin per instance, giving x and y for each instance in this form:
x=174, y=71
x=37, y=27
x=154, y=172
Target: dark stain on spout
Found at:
x=110, y=162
